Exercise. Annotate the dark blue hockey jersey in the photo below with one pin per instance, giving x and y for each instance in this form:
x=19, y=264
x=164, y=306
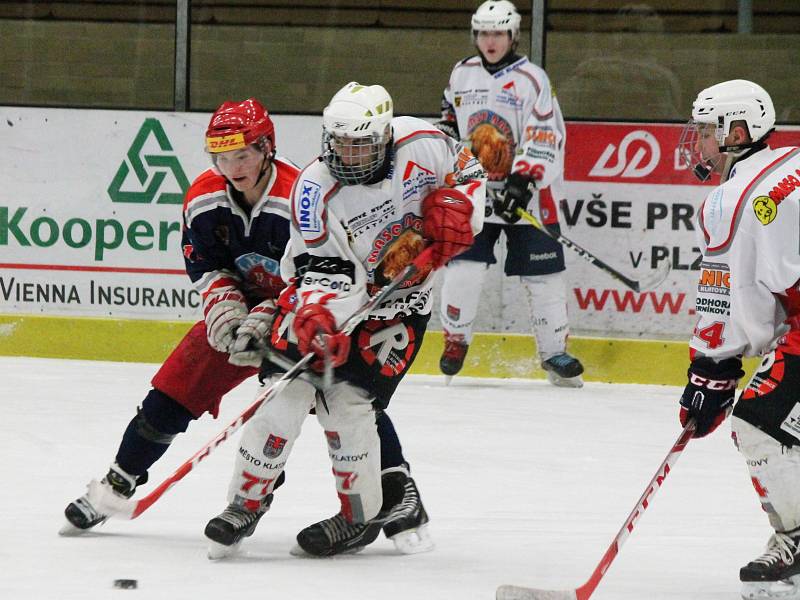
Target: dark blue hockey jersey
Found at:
x=224, y=247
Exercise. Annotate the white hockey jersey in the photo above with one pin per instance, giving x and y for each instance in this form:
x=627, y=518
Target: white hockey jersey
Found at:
x=749, y=231
x=353, y=239
x=513, y=123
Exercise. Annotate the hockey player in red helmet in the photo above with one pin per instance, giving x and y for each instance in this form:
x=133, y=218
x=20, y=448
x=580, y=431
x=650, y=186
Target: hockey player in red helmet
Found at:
x=241, y=140
x=236, y=227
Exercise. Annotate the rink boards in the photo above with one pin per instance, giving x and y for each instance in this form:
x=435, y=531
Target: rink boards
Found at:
x=91, y=264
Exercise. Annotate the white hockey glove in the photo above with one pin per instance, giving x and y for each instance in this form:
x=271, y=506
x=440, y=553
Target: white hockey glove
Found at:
x=224, y=312
x=251, y=337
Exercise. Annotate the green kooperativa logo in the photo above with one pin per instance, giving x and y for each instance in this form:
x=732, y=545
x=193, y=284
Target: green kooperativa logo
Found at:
x=150, y=180
x=147, y=171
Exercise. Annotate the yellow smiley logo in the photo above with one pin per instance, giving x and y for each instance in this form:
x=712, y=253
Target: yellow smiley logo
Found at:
x=765, y=208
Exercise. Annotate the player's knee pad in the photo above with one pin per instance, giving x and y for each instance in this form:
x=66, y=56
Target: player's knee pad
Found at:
x=161, y=418
x=774, y=471
x=546, y=289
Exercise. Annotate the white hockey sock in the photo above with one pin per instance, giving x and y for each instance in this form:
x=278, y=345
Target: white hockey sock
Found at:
x=266, y=442
x=547, y=301
x=774, y=471
x=461, y=294
x=354, y=450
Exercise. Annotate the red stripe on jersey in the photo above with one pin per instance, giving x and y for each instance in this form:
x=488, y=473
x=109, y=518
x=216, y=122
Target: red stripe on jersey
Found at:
x=286, y=175
x=208, y=182
x=745, y=192
x=434, y=132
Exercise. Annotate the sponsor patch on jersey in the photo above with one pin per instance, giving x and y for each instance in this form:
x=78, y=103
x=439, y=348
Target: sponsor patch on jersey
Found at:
x=389, y=343
x=416, y=178
x=394, y=247
x=307, y=213
x=791, y=424
x=715, y=278
x=274, y=446
x=261, y=272
x=765, y=208
x=508, y=96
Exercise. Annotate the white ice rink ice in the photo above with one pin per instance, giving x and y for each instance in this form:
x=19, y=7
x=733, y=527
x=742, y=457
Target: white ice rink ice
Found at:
x=525, y=484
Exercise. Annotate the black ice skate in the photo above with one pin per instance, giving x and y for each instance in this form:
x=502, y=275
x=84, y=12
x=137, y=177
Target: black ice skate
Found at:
x=776, y=573
x=455, y=351
x=227, y=530
x=563, y=370
x=337, y=536
x=83, y=514
x=407, y=522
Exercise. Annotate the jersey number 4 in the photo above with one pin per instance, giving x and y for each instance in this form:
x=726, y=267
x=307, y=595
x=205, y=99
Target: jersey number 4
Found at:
x=712, y=335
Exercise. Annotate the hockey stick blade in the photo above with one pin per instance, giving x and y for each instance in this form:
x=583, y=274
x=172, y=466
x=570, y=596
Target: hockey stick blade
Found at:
x=511, y=592
x=655, y=279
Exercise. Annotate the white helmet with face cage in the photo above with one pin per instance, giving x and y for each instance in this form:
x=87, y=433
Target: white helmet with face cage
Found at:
x=719, y=106
x=356, y=131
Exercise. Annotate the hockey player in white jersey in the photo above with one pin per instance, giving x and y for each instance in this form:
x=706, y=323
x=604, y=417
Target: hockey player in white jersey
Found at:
x=383, y=189
x=748, y=302
x=503, y=105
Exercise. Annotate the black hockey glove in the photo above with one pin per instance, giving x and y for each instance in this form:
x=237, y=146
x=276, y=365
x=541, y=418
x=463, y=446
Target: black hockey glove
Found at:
x=708, y=397
x=515, y=195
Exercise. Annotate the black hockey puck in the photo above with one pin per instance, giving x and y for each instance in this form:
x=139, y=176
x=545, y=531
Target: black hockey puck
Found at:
x=125, y=584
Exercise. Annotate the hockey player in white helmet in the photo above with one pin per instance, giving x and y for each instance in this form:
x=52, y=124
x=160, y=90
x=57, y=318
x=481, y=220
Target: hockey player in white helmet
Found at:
x=384, y=188
x=748, y=303
x=504, y=107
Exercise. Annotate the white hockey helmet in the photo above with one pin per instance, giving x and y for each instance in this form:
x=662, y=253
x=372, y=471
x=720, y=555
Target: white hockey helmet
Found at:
x=720, y=106
x=496, y=15
x=356, y=130
x=735, y=100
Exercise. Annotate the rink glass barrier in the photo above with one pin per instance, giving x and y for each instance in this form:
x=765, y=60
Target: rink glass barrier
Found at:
x=92, y=267
x=607, y=59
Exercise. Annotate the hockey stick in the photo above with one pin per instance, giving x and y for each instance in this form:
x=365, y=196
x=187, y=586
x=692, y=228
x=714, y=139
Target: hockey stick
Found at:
x=637, y=285
x=512, y=592
x=130, y=509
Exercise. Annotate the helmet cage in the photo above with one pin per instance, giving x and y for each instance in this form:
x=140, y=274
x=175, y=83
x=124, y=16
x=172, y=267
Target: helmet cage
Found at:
x=689, y=153
x=354, y=160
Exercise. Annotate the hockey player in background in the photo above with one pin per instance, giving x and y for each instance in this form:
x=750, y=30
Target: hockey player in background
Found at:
x=236, y=228
x=383, y=188
x=503, y=105
x=748, y=302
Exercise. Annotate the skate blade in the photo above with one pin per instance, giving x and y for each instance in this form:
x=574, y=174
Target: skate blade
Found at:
x=69, y=530
x=786, y=589
x=217, y=551
x=413, y=541
x=566, y=382
x=448, y=379
x=298, y=551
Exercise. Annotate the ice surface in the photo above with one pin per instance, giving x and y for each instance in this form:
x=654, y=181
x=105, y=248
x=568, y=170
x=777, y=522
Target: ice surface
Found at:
x=525, y=483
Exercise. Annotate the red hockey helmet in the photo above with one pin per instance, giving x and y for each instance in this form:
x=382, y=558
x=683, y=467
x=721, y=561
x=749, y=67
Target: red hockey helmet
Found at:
x=236, y=125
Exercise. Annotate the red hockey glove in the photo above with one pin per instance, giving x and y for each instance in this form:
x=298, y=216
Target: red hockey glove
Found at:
x=315, y=328
x=708, y=397
x=446, y=217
